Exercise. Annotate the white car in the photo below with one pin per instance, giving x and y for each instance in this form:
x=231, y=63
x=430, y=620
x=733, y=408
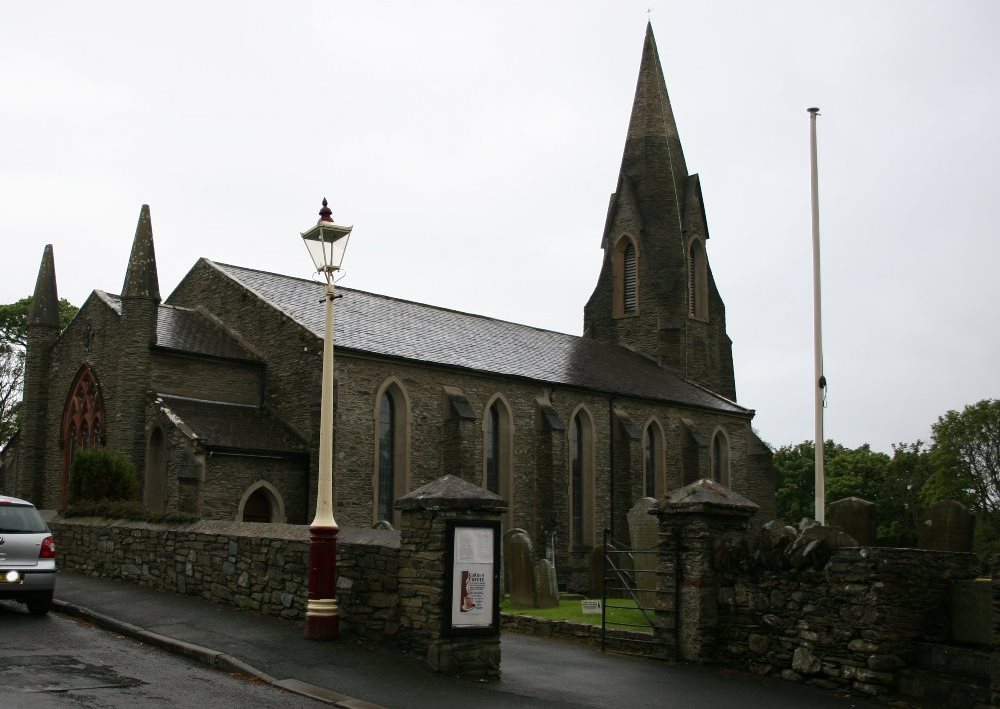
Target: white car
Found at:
x=27, y=556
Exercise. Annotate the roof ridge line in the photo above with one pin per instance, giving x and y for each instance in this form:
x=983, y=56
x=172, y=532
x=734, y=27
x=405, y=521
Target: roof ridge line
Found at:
x=383, y=296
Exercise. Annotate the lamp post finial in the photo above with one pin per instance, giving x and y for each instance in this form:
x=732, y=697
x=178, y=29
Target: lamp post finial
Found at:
x=325, y=214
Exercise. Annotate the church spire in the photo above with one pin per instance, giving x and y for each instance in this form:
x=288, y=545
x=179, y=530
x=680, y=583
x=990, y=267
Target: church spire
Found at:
x=140, y=278
x=45, y=301
x=653, y=143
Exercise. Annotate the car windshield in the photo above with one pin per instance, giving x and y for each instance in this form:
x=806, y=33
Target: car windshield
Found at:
x=21, y=519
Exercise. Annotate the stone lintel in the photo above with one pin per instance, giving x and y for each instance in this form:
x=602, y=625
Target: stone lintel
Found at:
x=451, y=493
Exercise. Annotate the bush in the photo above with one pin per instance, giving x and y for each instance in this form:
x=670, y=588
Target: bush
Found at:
x=100, y=474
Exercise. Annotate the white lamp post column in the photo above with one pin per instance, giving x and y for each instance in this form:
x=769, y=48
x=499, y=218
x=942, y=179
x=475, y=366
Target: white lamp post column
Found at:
x=326, y=243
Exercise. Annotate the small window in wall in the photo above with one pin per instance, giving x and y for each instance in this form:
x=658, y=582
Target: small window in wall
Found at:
x=581, y=492
x=391, y=455
x=497, y=456
x=720, y=458
x=652, y=468
x=493, y=449
x=697, y=281
x=386, y=458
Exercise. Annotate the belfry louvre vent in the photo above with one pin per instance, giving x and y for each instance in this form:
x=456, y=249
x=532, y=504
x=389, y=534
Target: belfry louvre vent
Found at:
x=630, y=299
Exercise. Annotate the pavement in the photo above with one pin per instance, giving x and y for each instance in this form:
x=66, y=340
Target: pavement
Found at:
x=345, y=673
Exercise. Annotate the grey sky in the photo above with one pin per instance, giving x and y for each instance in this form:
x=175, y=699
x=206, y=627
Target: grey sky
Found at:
x=474, y=147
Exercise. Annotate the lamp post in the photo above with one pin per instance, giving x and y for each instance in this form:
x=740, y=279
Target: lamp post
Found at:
x=326, y=243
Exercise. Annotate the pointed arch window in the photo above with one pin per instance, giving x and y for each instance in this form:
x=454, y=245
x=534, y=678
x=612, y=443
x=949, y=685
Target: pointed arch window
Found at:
x=82, y=422
x=581, y=488
x=386, y=458
x=720, y=458
x=497, y=455
x=392, y=454
x=493, y=452
x=653, y=478
x=697, y=281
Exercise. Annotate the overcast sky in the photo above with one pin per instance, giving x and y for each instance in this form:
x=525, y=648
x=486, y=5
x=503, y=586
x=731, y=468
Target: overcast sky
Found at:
x=473, y=147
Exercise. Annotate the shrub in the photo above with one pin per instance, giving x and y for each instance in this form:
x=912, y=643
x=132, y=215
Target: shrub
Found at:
x=100, y=474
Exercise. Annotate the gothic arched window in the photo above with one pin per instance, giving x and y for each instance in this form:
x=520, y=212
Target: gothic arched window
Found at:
x=497, y=457
x=581, y=488
x=82, y=422
x=392, y=455
x=652, y=461
x=720, y=458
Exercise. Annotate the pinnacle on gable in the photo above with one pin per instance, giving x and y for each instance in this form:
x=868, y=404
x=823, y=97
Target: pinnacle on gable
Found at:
x=140, y=279
x=45, y=301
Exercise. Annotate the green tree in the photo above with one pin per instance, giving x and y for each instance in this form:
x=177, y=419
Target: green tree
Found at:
x=901, y=506
x=13, y=340
x=853, y=472
x=966, y=458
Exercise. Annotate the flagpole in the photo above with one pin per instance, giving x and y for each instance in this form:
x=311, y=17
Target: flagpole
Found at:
x=819, y=382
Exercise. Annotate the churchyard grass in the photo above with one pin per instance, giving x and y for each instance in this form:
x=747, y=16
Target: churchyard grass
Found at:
x=621, y=614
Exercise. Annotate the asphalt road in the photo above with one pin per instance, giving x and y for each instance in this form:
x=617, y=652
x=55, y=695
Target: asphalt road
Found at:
x=60, y=662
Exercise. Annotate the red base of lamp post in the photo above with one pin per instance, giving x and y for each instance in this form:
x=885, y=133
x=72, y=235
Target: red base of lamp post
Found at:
x=322, y=615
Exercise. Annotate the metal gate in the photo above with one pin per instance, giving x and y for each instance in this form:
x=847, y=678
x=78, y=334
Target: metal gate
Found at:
x=629, y=600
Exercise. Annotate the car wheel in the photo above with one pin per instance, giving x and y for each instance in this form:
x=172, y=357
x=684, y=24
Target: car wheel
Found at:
x=39, y=603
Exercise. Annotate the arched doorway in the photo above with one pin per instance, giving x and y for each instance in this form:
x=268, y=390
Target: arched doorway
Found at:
x=154, y=488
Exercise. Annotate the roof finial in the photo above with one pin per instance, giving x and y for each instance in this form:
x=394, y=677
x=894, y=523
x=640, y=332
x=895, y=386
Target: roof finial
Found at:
x=325, y=214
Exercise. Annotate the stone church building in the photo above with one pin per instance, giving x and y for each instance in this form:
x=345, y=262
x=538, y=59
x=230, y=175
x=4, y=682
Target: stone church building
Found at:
x=214, y=392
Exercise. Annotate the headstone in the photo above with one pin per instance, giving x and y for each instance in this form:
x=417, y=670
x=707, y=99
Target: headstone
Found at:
x=546, y=586
x=854, y=516
x=518, y=567
x=643, y=529
x=947, y=526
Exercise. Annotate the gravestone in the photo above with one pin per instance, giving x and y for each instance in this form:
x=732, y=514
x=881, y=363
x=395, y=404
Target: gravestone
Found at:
x=854, y=516
x=947, y=526
x=643, y=529
x=518, y=568
x=546, y=586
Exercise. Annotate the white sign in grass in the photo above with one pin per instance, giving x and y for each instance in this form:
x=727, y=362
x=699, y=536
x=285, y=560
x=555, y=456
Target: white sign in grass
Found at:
x=590, y=607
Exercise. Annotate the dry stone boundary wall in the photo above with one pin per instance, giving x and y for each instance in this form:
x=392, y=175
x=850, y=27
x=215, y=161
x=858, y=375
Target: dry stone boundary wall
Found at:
x=259, y=567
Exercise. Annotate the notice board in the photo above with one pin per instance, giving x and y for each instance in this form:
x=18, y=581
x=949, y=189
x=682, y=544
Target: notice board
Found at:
x=472, y=584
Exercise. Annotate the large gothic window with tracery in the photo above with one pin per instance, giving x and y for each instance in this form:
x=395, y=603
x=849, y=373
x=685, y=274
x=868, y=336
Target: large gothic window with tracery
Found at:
x=82, y=422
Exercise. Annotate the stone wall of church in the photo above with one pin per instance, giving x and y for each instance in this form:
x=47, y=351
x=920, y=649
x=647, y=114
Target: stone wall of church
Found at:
x=293, y=355
x=439, y=441
x=92, y=338
x=228, y=477
x=214, y=380
x=540, y=480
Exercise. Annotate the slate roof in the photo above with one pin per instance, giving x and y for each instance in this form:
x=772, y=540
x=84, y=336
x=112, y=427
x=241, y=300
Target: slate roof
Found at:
x=186, y=330
x=236, y=426
x=384, y=326
x=190, y=331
